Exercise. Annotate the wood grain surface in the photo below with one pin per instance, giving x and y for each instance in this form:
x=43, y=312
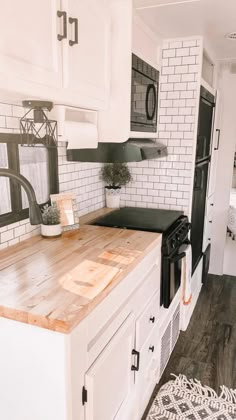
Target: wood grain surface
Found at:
x=55, y=283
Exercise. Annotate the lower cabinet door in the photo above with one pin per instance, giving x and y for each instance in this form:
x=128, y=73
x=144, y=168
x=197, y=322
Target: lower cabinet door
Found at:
x=148, y=376
x=110, y=381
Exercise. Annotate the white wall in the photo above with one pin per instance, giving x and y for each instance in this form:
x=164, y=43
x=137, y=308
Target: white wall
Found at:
x=224, y=172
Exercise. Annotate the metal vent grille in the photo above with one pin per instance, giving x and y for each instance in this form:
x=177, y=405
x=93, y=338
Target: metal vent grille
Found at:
x=232, y=36
x=165, y=348
x=175, y=327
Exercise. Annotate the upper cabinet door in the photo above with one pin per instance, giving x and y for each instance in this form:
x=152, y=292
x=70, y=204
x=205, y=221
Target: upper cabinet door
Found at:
x=86, y=54
x=29, y=47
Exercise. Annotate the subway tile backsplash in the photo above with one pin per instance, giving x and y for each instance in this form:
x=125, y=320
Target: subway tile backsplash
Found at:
x=80, y=178
x=161, y=183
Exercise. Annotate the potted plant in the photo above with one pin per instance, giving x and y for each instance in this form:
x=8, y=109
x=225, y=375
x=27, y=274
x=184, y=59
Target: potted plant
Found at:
x=115, y=175
x=51, y=226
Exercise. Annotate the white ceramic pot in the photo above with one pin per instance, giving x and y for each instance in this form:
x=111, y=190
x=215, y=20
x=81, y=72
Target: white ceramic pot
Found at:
x=113, y=198
x=51, y=231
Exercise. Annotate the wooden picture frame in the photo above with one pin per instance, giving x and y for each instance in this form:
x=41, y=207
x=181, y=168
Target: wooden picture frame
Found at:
x=68, y=210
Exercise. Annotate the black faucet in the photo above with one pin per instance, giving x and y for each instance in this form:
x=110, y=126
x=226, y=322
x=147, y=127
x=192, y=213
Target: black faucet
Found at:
x=35, y=214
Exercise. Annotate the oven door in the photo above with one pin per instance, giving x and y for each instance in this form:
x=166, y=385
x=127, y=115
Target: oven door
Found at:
x=143, y=103
x=171, y=275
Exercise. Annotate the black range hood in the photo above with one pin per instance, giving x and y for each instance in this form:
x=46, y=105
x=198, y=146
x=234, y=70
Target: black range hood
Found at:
x=133, y=150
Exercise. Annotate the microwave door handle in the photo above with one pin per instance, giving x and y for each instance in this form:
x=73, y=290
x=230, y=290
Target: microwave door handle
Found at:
x=179, y=257
x=150, y=90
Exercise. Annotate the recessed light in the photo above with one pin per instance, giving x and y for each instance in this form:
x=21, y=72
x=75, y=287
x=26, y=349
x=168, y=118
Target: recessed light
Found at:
x=231, y=36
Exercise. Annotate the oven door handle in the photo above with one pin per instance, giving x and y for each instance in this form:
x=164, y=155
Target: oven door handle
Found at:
x=179, y=257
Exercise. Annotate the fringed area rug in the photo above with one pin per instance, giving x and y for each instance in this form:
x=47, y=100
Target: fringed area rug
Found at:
x=183, y=399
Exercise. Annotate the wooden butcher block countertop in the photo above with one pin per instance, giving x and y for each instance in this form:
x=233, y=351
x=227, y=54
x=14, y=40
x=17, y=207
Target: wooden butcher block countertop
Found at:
x=55, y=283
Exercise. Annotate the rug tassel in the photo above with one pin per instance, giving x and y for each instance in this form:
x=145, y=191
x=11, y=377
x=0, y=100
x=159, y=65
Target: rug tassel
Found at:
x=195, y=386
x=227, y=394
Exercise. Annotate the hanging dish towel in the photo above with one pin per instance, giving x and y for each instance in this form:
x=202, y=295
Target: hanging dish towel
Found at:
x=186, y=276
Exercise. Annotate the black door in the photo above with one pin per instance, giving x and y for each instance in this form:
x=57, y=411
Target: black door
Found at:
x=198, y=211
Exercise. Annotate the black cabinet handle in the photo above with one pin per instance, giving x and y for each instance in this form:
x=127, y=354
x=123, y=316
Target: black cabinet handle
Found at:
x=76, y=36
x=136, y=353
x=152, y=319
x=152, y=348
x=218, y=139
x=64, y=35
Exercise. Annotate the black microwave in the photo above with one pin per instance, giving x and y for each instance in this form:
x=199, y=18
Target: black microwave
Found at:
x=144, y=96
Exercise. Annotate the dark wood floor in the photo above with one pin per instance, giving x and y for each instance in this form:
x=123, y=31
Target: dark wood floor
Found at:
x=207, y=350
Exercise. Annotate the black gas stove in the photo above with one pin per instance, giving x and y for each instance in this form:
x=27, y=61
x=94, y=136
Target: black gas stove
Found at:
x=174, y=227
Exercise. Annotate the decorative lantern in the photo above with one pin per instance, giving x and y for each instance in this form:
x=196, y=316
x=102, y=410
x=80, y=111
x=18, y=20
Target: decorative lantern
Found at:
x=35, y=127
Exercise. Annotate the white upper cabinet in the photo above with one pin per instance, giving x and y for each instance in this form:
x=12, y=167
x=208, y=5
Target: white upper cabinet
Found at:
x=145, y=44
x=86, y=53
x=29, y=48
x=57, y=50
x=114, y=123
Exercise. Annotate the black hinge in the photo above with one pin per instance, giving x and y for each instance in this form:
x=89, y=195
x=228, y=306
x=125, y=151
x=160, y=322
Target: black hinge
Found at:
x=84, y=395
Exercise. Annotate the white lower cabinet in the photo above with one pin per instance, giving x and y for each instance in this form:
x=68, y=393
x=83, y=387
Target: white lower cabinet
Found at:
x=122, y=348
x=109, y=381
x=146, y=342
x=106, y=368
x=148, y=375
x=119, y=383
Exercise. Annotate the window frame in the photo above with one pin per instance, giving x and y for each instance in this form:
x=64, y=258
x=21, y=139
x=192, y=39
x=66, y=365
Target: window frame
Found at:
x=13, y=141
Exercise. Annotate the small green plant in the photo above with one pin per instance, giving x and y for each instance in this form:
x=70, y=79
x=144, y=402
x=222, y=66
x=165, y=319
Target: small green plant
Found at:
x=116, y=175
x=51, y=214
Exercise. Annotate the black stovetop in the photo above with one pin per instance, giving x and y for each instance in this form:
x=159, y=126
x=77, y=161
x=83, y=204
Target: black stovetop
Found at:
x=152, y=220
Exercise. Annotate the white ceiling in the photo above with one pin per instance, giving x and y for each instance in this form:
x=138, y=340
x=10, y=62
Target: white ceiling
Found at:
x=178, y=18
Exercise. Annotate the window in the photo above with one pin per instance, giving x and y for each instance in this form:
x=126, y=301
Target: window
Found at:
x=38, y=164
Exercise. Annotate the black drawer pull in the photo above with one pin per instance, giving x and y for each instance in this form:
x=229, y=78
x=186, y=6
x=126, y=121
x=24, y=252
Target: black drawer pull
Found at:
x=136, y=353
x=64, y=35
x=152, y=319
x=152, y=348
